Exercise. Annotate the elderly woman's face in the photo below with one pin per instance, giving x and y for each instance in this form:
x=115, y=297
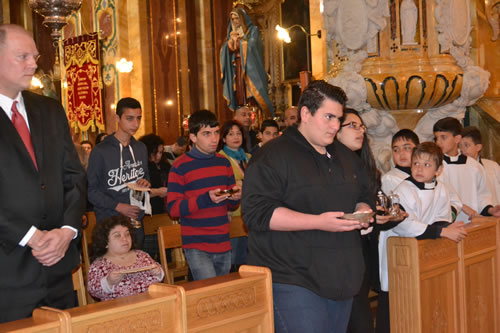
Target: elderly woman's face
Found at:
x=119, y=240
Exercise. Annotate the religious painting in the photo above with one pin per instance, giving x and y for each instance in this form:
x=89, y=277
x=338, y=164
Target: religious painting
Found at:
x=295, y=52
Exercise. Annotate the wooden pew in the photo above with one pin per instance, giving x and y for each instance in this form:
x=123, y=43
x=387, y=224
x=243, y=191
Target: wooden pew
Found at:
x=86, y=240
x=237, y=227
x=237, y=302
x=87, y=228
x=161, y=309
x=153, y=222
x=169, y=237
x=443, y=286
x=79, y=285
x=44, y=320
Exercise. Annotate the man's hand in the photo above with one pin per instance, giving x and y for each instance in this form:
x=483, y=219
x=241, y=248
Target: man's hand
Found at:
x=143, y=182
x=331, y=222
x=159, y=192
x=382, y=219
x=217, y=198
x=35, y=240
x=128, y=210
x=469, y=211
x=455, y=231
x=365, y=209
x=237, y=195
x=494, y=211
x=52, y=246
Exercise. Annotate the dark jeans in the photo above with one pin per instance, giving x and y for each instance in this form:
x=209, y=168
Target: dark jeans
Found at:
x=299, y=310
x=204, y=265
x=239, y=250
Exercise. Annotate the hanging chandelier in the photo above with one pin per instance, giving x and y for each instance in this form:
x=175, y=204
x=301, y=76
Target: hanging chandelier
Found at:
x=55, y=13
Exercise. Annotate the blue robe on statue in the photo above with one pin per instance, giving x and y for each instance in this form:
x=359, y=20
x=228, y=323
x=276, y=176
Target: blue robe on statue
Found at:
x=253, y=70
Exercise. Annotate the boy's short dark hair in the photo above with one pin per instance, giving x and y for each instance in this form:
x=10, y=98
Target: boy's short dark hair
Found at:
x=202, y=118
x=406, y=134
x=316, y=92
x=448, y=124
x=269, y=123
x=431, y=149
x=473, y=133
x=182, y=141
x=127, y=103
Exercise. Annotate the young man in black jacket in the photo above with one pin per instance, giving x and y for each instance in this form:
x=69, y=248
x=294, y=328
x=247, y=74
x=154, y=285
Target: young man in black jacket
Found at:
x=295, y=192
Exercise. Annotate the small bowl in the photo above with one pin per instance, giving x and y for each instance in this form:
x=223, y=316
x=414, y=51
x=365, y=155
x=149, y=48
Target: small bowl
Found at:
x=361, y=217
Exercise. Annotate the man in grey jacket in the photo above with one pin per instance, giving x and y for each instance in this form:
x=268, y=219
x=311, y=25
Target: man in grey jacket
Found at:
x=118, y=161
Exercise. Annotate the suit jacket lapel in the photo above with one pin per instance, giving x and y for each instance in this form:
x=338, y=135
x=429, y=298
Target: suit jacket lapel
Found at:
x=10, y=134
x=35, y=122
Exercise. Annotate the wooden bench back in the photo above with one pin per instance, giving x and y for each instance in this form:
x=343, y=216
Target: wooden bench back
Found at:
x=86, y=240
x=237, y=227
x=169, y=237
x=440, y=285
x=237, y=302
x=161, y=309
x=154, y=222
x=44, y=320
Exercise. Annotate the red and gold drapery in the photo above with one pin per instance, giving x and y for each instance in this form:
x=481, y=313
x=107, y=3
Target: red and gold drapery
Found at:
x=83, y=75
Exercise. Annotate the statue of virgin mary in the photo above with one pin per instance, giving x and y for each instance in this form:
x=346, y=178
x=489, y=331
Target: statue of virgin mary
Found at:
x=244, y=76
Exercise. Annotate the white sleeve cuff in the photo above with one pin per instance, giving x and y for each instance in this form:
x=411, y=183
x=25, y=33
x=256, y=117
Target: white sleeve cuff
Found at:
x=28, y=236
x=71, y=228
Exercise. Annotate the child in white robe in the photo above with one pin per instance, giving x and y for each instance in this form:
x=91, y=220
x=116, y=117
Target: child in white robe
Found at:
x=463, y=174
x=471, y=145
x=428, y=205
x=402, y=145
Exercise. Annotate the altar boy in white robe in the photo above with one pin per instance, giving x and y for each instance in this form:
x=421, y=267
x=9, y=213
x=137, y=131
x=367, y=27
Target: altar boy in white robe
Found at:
x=463, y=174
x=427, y=203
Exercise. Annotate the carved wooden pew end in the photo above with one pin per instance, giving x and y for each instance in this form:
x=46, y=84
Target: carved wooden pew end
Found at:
x=231, y=303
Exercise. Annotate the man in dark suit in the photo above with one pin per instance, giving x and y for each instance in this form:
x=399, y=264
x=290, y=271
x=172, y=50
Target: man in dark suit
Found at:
x=42, y=188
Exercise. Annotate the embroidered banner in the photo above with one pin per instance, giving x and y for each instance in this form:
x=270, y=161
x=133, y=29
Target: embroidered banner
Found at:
x=81, y=60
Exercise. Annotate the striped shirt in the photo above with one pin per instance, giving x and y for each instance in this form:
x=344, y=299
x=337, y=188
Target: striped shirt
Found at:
x=204, y=224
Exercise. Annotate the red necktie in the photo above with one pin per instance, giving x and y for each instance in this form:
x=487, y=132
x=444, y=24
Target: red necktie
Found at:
x=21, y=127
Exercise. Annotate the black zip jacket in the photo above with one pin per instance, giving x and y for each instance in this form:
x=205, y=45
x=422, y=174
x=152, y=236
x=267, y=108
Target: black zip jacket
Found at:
x=289, y=172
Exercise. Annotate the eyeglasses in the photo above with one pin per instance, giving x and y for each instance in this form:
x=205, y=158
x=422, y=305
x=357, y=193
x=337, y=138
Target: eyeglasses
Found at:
x=355, y=125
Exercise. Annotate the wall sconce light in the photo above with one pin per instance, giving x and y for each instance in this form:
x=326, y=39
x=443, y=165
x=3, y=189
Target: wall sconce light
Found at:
x=36, y=83
x=285, y=36
x=124, y=66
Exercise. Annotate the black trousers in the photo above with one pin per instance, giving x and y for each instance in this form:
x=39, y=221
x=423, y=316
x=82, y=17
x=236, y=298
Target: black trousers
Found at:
x=383, y=320
x=361, y=316
x=49, y=290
